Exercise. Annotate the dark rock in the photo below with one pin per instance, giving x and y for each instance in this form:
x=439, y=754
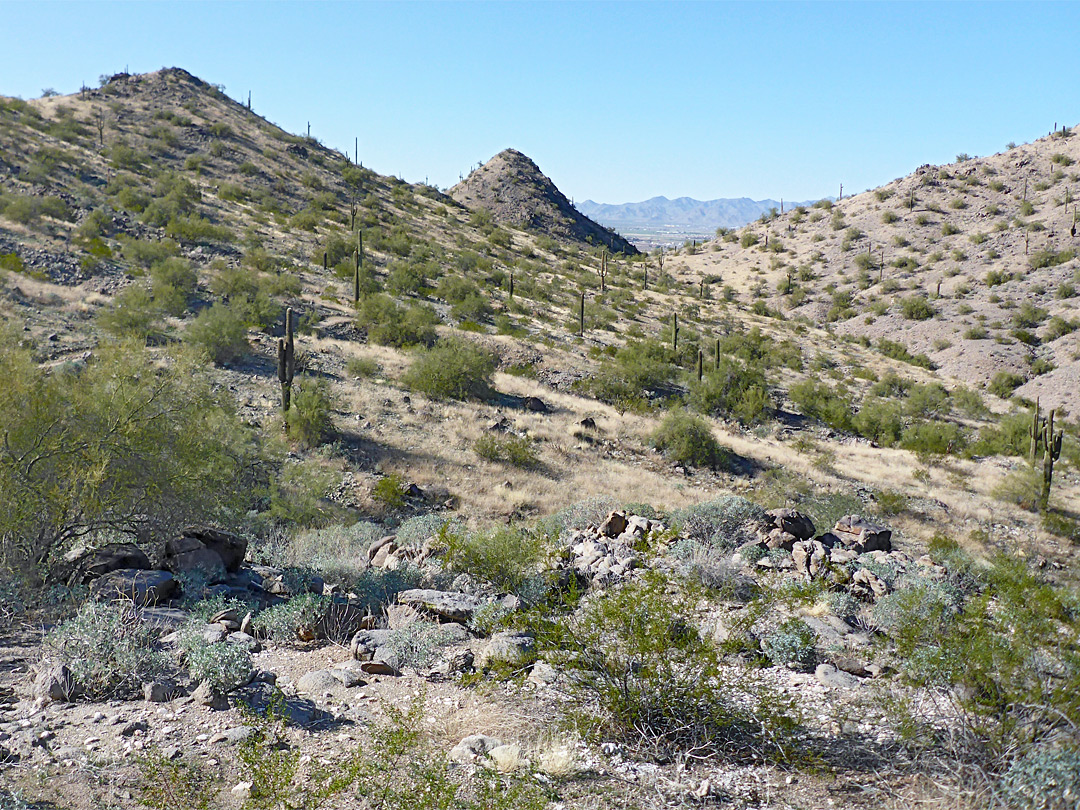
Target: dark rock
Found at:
x=230, y=548
x=862, y=535
x=614, y=525
x=187, y=555
x=93, y=564
x=792, y=522
x=56, y=684
x=536, y=405
x=138, y=586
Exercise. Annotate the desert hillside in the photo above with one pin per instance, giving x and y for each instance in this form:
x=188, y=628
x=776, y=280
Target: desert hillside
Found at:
x=321, y=488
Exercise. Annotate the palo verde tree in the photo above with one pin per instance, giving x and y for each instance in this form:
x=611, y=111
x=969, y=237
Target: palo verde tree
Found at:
x=123, y=445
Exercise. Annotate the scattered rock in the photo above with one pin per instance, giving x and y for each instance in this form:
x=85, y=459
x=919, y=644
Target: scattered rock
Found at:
x=830, y=676
x=472, y=748
x=56, y=684
x=513, y=648
x=188, y=555
x=861, y=535
x=90, y=565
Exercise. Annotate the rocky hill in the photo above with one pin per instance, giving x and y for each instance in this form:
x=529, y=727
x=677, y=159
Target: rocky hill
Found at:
x=514, y=190
x=322, y=488
x=975, y=264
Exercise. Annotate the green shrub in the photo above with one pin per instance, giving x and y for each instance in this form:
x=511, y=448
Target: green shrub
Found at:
x=659, y=686
x=108, y=650
x=453, y=369
x=818, y=401
x=219, y=332
x=898, y=351
x=362, y=367
x=1003, y=383
x=390, y=491
x=224, y=665
x=518, y=451
x=290, y=620
x=688, y=439
x=308, y=419
x=722, y=524
x=934, y=438
x=733, y=390
x=1044, y=777
x=506, y=557
x=125, y=444
x=174, y=283
x=916, y=308
x=791, y=644
x=132, y=314
x=391, y=325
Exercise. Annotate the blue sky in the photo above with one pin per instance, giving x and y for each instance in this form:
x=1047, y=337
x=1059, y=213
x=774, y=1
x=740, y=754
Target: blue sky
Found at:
x=616, y=102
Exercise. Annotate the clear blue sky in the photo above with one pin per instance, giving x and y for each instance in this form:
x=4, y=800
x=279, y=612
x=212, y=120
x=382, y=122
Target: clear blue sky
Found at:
x=616, y=102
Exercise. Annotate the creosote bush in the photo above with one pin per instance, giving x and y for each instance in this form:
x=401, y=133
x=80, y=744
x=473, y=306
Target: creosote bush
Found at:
x=688, y=439
x=453, y=369
x=518, y=451
x=308, y=419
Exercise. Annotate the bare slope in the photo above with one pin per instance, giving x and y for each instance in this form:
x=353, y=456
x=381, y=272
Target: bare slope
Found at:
x=515, y=191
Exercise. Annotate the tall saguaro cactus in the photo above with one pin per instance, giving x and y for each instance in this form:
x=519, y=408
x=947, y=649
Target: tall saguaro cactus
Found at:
x=286, y=360
x=1051, y=453
x=603, y=271
x=359, y=265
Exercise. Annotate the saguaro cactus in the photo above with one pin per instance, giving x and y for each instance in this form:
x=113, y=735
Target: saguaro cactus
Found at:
x=581, y=331
x=1035, y=433
x=1051, y=453
x=359, y=264
x=675, y=332
x=603, y=271
x=286, y=359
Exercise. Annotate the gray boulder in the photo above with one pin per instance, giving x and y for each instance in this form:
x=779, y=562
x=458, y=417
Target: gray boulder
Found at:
x=861, y=535
x=113, y=557
x=229, y=547
x=450, y=605
x=188, y=555
x=140, y=587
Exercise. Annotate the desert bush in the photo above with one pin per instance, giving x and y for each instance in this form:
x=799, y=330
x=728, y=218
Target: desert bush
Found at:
x=362, y=367
x=506, y=557
x=308, y=419
x=391, y=325
x=791, y=644
x=173, y=284
x=224, y=666
x=818, y=401
x=656, y=681
x=1044, y=777
x=417, y=644
x=123, y=445
x=1003, y=383
x=219, y=332
x=390, y=491
x=722, y=524
x=454, y=368
x=133, y=314
x=108, y=650
x=733, y=390
x=916, y=308
x=688, y=439
x=518, y=451
x=637, y=369
x=934, y=438
x=289, y=621
x=898, y=351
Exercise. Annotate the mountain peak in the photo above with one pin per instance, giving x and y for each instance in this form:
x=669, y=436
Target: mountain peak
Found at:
x=515, y=191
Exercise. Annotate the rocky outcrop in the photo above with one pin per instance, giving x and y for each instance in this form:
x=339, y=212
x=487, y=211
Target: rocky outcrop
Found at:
x=514, y=190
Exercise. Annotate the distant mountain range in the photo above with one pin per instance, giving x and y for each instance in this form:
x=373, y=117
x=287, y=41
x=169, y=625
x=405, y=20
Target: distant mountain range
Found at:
x=683, y=213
